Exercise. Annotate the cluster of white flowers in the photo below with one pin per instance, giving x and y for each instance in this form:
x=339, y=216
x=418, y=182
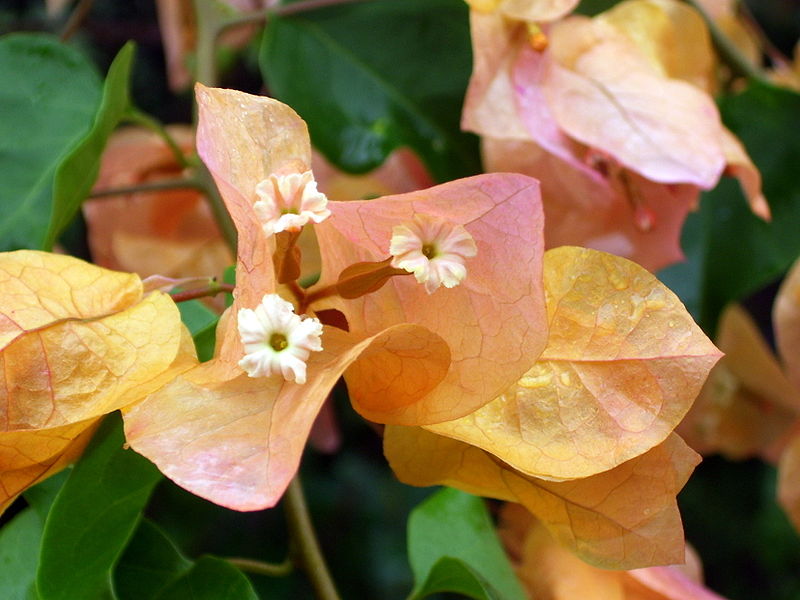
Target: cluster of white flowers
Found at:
x=278, y=341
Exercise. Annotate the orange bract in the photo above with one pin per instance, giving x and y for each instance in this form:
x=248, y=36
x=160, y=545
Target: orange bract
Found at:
x=624, y=518
x=623, y=363
x=76, y=342
x=548, y=571
x=238, y=440
x=615, y=118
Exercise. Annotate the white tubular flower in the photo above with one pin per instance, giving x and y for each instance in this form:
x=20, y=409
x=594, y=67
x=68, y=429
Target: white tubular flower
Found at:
x=276, y=340
x=433, y=250
x=287, y=202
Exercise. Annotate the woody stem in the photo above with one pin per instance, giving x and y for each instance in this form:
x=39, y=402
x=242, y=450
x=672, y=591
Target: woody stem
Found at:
x=283, y=10
x=309, y=555
x=319, y=294
x=258, y=567
x=212, y=290
x=181, y=183
x=728, y=51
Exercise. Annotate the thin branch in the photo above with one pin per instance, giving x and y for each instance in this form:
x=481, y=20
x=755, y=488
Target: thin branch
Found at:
x=727, y=50
x=134, y=115
x=212, y=290
x=182, y=183
x=282, y=10
x=777, y=57
x=208, y=28
x=307, y=547
x=218, y=209
x=76, y=19
x=258, y=567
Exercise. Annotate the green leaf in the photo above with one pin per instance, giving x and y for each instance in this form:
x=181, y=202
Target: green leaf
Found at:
x=202, y=322
x=454, y=525
x=42, y=495
x=211, y=579
x=49, y=98
x=732, y=253
x=363, y=78
x=19, y=555
x=77, y=172
x=93, y=517
x=149, y=564
x=453, y=575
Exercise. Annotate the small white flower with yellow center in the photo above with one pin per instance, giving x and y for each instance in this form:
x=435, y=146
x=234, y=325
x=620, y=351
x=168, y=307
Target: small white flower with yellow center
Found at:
x=276, y=340
x=287, y=202
x=433, y=250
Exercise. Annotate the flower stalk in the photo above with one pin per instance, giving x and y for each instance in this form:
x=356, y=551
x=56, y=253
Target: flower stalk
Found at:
x=307, y=549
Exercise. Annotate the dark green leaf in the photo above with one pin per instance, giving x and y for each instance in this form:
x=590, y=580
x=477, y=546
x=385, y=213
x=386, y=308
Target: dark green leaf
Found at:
x=19, y=555
x=211, y=579
x=49, y=98
x=732, y=253
x=149, y=564
x=229, y=276
x=77, y=172
x=363, y=78
x=453, y=575
x=196, y=316
x=42, y=495
x=202, y=322
x=456, y=525
x=93, y=517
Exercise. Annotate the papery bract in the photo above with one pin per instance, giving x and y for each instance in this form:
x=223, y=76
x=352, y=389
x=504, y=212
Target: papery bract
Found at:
x=76, y=341
x=493, y=322
x=619, y=105
x=624, y=518
x=786, y=316
x=548, y=571
x=751, y=403
x=623, y=363
x=169, y=232
x=582, y=207
x=27, y=457
x=526, y=10
x=237, y=440
x=747, y=405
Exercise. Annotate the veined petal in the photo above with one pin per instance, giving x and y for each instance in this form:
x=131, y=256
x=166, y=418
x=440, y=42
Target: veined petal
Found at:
x=238, y=442
x=493, y=322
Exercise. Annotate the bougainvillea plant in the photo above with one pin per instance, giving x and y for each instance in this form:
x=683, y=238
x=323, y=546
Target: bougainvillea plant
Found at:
x=462, y=345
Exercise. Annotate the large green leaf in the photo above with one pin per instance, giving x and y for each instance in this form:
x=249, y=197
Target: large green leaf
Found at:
x=19, y=555
x=77, y=172
x=732, y=253
x=211, y=579
x=370, y=77
x=93, y=517
x=455, y=576
x=49, y=96
x=150, y=563
x=456, y=526
x=42, y=496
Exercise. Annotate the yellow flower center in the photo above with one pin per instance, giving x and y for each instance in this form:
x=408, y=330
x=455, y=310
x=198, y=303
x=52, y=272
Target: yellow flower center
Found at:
x=429, y=251
x=278, y=342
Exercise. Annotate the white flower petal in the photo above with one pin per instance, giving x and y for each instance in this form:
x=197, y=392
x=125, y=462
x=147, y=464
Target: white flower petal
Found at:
x=450, y=244
x=287, y=202
x=274, y=316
